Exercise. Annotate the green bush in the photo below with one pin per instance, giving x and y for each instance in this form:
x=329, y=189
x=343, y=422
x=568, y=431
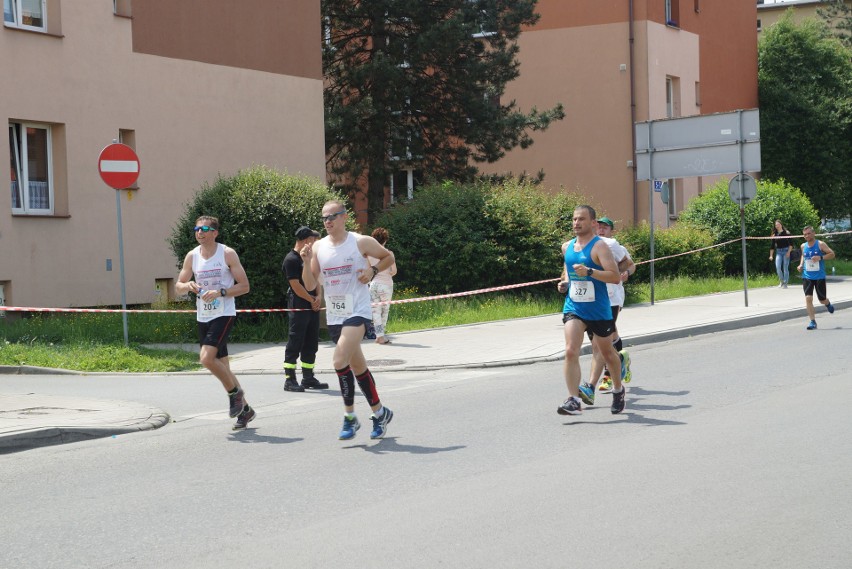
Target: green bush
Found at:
x=454, y=238
x=671, y=241
x=259, y=210
x=717, y=213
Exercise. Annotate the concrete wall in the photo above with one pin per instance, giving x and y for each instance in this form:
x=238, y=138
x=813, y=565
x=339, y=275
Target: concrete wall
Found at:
x=193, y=117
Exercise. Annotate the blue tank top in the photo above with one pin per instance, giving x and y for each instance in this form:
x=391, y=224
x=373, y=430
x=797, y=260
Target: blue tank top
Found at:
x=587, y=297
x=813, y=270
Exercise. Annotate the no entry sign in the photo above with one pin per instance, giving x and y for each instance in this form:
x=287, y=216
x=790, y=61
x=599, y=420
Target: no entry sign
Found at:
x=118, y=166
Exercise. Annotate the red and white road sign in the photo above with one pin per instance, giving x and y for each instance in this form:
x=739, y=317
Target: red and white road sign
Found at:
x=118, y=166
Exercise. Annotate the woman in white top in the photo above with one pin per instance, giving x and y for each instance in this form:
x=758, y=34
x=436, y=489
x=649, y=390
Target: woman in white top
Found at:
x=381, y=289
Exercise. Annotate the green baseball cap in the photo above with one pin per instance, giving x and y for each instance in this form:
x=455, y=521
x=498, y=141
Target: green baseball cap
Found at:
x=607, y=221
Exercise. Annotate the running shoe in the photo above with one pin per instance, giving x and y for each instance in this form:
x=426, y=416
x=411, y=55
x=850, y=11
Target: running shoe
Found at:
x=618, y=401
x=245, y=417
x=238, y=401
x=350, y=427
x=812, y=325
x=626, y=374
x=380, y=424
x=587, y=393
x=606, y=385
x=830, y=308
x=570, y=407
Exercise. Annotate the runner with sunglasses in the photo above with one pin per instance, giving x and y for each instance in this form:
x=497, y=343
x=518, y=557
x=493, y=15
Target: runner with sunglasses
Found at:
x=219, y=278
x=340, y=260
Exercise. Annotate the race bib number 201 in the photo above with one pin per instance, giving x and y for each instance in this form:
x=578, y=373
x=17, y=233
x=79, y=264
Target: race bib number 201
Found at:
x=339, y=305
x=212, y=309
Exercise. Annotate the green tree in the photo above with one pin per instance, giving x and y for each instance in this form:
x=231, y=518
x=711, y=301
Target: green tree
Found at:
x=714, y=211
x=259, y=211
x=805, y=89
x=838, y=15
x=418, y=84
x=459, y=237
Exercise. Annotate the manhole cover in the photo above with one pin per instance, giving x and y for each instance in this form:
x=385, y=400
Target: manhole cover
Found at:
x=376, y=363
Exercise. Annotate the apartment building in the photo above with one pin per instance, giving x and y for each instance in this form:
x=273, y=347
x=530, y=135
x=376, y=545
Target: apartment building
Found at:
x=616, y=62
x=198, y=87
x=770, y=11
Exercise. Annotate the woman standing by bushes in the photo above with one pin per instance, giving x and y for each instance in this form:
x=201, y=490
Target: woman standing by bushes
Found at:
x=782, y=245
x=381, y=289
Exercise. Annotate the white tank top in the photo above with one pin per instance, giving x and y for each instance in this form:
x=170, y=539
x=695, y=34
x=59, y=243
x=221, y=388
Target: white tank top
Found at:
x=213, y=274
x=345, y=295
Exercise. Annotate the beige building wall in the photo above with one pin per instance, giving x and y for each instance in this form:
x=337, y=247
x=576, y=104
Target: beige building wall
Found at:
x=191, y=120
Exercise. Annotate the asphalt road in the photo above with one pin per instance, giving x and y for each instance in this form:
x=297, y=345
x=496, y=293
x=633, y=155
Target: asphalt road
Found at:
x=733, y=452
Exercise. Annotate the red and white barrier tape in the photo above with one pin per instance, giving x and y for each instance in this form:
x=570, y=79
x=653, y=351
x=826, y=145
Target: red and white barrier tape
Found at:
x=388, y=302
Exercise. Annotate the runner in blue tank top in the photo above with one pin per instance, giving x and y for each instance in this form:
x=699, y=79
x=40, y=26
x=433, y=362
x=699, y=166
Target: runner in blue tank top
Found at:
x=814, y=254
x=588, y=265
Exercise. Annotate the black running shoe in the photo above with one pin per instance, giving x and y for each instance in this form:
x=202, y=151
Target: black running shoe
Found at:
x=618, y=401
x=238, y=401
x=244, y=419
x=570, y=407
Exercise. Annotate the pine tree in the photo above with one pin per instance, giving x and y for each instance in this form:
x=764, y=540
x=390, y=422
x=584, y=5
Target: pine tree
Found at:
x=838, y=15
x=418, y=84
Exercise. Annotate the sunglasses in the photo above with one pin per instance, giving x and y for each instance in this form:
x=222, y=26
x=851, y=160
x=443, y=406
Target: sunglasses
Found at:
x=204, y=228
x=333, y=216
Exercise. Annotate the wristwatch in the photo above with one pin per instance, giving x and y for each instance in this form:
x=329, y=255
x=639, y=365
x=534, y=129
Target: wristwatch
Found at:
x=223, y=292
x=591, y=272
x=375, y=272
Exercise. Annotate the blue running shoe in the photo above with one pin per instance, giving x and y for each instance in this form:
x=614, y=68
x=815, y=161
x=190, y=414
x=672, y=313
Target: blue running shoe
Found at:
x=830, y=308
x=350, y=427
x=380, y=424
x=587, y=393
x=812, y=325
x=626, y=375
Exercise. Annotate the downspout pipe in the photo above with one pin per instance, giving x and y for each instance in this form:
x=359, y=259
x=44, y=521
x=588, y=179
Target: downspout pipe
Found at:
x=632, y=41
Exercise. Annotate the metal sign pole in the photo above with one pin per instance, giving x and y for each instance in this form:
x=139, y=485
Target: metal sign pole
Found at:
x=651, y=206
x=121, y=264
x=741, y=177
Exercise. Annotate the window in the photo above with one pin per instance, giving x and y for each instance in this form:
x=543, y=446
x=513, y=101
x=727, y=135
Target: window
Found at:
x=485, y=22
x=31, y=170
x=25, y=14
x=758, y=25
x=672, y=97
x=672, y=12
x=671, y=206
x=403, y=183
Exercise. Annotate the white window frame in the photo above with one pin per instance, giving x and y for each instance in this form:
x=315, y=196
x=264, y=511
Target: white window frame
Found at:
x=17, y=19
x=409, y=178
x=23, y=176
x=671, y=205
x=483, y=33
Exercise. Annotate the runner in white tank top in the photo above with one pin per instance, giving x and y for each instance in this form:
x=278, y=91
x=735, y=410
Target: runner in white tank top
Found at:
x=219, y=277
x=340, y=260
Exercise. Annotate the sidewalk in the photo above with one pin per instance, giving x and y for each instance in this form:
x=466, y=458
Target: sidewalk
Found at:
x=32, y=420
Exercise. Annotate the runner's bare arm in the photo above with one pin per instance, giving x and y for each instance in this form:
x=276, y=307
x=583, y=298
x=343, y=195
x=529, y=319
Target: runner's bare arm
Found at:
x=241, y=282
x=184, y=282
